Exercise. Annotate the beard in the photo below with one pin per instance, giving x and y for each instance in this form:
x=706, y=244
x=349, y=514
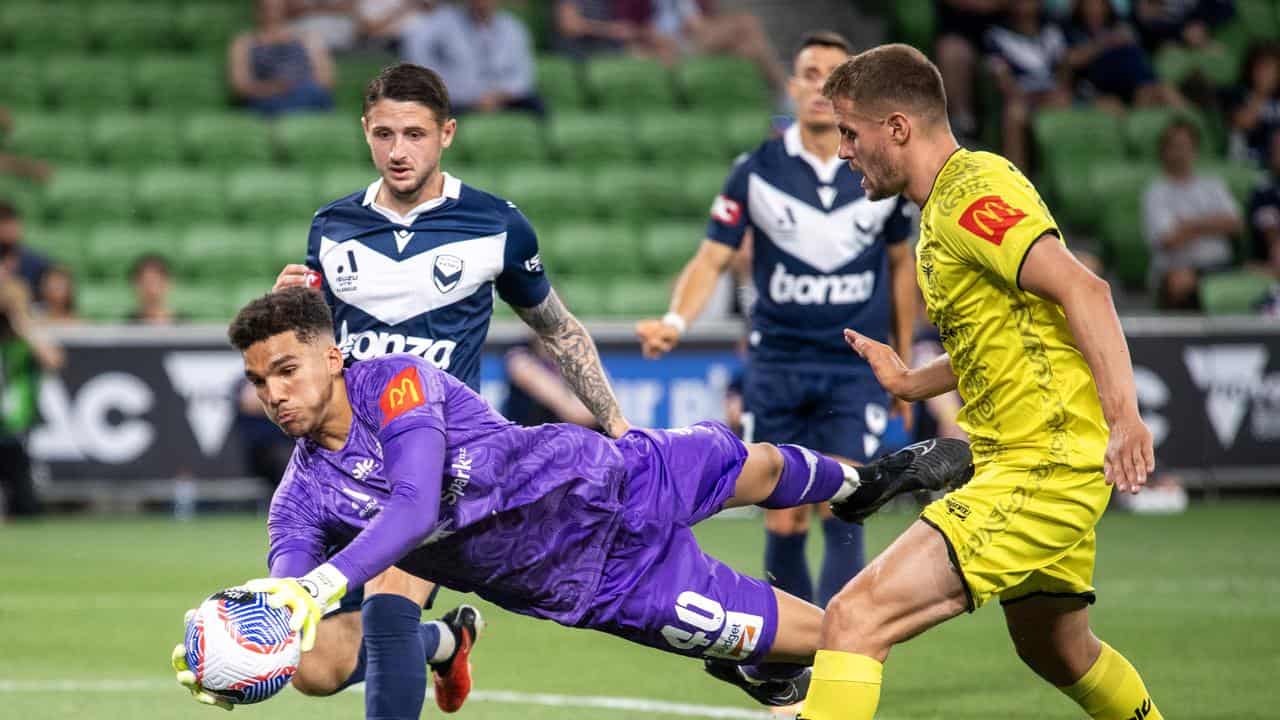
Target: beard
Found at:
x=883, y=180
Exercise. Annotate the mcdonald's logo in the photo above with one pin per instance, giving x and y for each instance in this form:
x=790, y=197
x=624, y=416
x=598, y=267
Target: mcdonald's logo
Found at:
x=401, y=395
x=990, y=217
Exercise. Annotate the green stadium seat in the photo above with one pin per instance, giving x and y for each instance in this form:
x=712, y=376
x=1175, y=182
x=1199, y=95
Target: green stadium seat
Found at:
x=699, y=189
x=111, y=249
x=342, y=180
x=25, y=196
x=637, y=195
x=22, y=84
x=593, y=139
x=110, y=301
x=1068, y=142
x=208, y=301
x=59, y=137
x=500, y=139
x=1233, y=293
x=137, y=139
x=560, y=83
x=209, y=26
x=585, y=296
x=39, y=28
x=285, y=244
x=246, y=291
x=1144, y=126
x=321, y=139
x=666, y=246
x=915, y=23
x=590, y=248
x=744, y=131
x=215, y=251
x=354, y=75
x=228, y=140
x=620, y=83
x=1218, y=65
x=89, y=196
x=487, y=178
x=62, y=243
x=177, y=83
x=176, y=195
x=549, y=195
x=635, y=297
x=269, y=194
x=723, y=83
x=682, y=137
x=1119, y=180
x=132, y=28
x=85, y=84
x=1241, y=179
x=1124, y=249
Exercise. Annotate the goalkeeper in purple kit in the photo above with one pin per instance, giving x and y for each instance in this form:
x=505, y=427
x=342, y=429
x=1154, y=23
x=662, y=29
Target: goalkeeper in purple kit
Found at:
x=402, y=465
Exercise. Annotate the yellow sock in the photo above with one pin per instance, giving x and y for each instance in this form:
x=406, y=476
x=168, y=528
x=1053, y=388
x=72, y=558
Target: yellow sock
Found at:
x=844, y=686
x=1113, y=690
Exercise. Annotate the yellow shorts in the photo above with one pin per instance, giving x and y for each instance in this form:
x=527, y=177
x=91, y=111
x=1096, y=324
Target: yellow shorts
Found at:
x=1022, y=530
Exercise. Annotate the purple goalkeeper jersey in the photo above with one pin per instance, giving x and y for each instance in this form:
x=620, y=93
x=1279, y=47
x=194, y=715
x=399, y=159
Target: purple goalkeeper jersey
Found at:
x=525, y=516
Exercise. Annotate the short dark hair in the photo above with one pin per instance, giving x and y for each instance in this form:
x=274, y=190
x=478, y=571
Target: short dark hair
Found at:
x=298, y=309
x=407, y=82
x=890, y=78
x=1179, y=122
x=7, y=210
x=148, y=260
x=825, y=38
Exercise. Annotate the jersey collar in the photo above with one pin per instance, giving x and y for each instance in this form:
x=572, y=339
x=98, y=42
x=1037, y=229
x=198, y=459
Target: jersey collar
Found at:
x=826, y=169
x=452, y=189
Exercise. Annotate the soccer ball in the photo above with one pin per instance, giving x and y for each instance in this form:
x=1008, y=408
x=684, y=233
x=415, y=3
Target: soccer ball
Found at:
x=240, y=648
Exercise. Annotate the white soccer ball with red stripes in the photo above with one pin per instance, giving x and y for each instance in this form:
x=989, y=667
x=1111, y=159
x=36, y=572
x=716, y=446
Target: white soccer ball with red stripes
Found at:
x=240, y=648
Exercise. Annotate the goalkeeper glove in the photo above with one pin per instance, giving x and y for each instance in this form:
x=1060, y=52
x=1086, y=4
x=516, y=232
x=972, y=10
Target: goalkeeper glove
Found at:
x=306, y=597
x=187, y=679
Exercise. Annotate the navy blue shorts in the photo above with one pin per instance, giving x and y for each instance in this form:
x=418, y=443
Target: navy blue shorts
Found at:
x=834, y=413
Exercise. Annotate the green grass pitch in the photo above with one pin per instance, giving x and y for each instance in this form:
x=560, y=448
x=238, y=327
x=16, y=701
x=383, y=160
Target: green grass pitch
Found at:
x=89, y=610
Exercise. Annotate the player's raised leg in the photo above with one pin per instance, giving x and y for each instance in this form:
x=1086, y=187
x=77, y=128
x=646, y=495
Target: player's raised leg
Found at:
x=1053, y=638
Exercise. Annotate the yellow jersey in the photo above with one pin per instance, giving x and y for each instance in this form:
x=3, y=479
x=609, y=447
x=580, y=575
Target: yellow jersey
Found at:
x=1029, y=394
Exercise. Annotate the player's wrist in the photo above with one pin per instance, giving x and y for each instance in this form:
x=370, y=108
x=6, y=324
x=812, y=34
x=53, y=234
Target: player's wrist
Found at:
x=676, y=321
x=325, y=584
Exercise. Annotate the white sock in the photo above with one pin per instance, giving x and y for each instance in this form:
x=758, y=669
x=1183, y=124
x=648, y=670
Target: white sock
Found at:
x=447, y=645
x=852, y=481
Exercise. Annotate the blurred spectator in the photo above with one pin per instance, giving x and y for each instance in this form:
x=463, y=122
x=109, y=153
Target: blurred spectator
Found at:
x=537, y=394
x=274, y=69
x=331, y=22
x=1026, y=55
x=1104, y=51
x=1254, y=109
x=267, y=449
x=384, y=21
x=584, y=27
x=57, y=297
x=1186, y=22
x=697, y=26
x=10, y=164
x=1264, y=215
x=1187, y=219
x=483, y=53
x=962, y=24
x=24, y=354
x=16, y=258
x=152, y=283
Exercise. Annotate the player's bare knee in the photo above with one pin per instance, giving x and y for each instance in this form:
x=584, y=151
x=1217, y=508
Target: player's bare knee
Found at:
x=316, y=679
x=765, y=463
x=854, y=620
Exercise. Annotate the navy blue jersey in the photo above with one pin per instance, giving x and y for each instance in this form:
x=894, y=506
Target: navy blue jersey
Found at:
x=423, y=283
x=820, y=261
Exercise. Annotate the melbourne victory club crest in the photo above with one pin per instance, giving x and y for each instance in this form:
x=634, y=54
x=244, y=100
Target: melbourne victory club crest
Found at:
x=447, y=272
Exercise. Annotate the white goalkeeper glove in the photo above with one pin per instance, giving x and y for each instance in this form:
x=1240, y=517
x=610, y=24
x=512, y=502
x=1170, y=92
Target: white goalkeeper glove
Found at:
x=306, y=597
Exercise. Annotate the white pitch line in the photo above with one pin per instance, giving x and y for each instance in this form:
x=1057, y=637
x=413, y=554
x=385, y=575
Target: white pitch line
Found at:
x=508, y=697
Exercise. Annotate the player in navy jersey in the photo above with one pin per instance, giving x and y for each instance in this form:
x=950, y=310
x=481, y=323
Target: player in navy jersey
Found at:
x=824, y=257
x=409, y=265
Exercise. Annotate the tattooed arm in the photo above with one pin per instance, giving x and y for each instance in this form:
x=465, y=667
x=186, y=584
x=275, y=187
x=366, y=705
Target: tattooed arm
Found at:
x=574, y=351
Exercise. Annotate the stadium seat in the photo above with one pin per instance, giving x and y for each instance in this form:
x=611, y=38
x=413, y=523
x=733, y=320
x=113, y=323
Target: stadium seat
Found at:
x=265, y=194
x=63, y=243
x=59, y=137
x=1069, y=141
x=39, y=28
x=560, y=83
x=619, y=83
x=593, y=139
x=341, y=180
x=109, y=301
x=481, y=177
x=175, y=195
x=111, y=249
x=88, y=196
x=636, y=194
x=681, y=138
x=915, y=23
x=1144, y=126
x=284, y=244
x=137, y=139
x=699, y=188
x=585, y=296
x=723, y=83
x=744, y=131
x=216, y=250
x=635, y=297
x=228, y=140
x=321, y=139
x=176, y=83
x=22, y=84
x=1124, y=249
x=1217, y=64
x=87, y=85
x=666, y=246
x=208, y=301
x=549, y=195
x=354, y=75
x=499, y=139
x=1233, y=293
x=132, y=28
x=1241, y=179
x=208, y=26
x=1108, y=181
x=590, y=248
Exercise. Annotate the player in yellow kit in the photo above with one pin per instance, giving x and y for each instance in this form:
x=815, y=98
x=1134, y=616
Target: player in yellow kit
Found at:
x=1036, y=350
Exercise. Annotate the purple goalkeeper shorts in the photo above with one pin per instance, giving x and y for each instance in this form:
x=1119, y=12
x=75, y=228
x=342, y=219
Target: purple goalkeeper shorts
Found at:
x=658, y=587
